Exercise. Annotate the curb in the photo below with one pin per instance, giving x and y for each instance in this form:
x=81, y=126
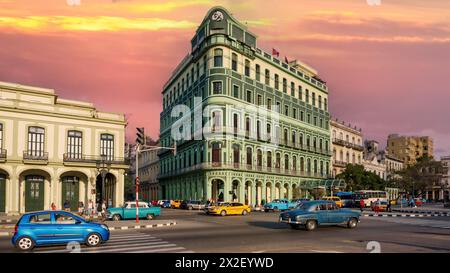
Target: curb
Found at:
x=4, y=234
x=405, y=215
x=9, y=221
x=143, y=226
x=422, y=212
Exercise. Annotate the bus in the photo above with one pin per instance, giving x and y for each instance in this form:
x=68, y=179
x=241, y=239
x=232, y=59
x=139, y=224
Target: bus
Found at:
x=369, y=197
x=346, y=198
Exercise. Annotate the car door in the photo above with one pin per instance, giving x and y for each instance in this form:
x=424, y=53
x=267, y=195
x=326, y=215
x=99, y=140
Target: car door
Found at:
x=129, y=211
x=322, y=213
x=41, y=227
x=67, y=228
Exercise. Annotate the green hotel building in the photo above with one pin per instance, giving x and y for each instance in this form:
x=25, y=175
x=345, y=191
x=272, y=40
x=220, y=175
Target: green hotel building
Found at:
x=259, y=128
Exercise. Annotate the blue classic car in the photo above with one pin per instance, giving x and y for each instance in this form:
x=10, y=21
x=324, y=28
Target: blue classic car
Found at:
x=128, y=211
x=315, y=213
x=279, y=204
x=56, y=227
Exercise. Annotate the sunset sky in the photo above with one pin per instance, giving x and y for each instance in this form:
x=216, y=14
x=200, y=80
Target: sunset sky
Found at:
x=387, y=66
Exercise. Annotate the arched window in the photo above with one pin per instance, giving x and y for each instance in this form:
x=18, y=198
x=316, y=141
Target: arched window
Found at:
x=294, y=163
x=284, y=85
x=216, y=153
x=267, y=77
x=259, y=158
x=302, y=164
x=277, y=82
x=278, y=161
x=236, y=154
x=293, y=137
x=308, y=166
x=216, y=121
x=269, y=159
x=234, y=61
x=235, y=124
x=218, y=57
x=286, y=162
x=285, y=136
x=258, y=72
x=315, y=166
x=249, y=156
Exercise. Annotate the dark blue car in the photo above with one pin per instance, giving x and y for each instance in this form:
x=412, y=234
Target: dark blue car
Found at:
x=56, y=227
x=322, y=212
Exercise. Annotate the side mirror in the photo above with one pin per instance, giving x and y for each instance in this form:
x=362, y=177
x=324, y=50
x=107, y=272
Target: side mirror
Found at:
x=77, y=222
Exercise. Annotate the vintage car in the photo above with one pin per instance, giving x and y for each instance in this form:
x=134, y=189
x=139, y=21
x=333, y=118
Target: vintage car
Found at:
x=229, y=208
x=175, y=204
x=279, y=204
x=193, y=204
x=322, y=212
x=336, y=200
x=128, y=211
x=380, y=206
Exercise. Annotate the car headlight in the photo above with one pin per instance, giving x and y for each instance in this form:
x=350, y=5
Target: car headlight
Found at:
x=298, y=217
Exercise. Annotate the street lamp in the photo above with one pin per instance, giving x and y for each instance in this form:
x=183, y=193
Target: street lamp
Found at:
x=103, y=168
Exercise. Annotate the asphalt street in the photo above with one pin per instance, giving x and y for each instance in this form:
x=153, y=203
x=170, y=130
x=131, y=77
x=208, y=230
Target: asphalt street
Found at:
x=260, y=232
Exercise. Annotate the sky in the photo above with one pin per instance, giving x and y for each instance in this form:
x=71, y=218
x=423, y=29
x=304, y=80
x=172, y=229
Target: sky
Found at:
x=387, y=66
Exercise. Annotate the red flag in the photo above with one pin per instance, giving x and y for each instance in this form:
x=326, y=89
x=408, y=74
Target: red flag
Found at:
x=286, y=60
x=275, y=52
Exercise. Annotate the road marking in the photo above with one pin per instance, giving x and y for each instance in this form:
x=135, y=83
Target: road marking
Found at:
x=326, y=251
x=130, y=249
x=258, y=251
x=163, y=250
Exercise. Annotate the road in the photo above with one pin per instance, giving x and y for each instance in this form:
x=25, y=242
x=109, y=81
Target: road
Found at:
x=260, y=232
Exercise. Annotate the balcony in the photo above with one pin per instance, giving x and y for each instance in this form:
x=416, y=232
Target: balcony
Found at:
x=3, y=154
x=242, y=167
x=35, y=157
x=347, y=144
x=92, y=159
x=340, y=163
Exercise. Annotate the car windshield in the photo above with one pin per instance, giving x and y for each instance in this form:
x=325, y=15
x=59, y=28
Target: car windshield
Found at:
x=303, y=206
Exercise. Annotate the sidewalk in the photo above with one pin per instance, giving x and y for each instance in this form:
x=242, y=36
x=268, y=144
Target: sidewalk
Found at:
x=7, y=229
x=433, y=209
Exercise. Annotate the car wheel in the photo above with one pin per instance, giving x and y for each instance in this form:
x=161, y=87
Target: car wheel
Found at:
x=190, y=208
x=244, y=212
x=352, y=223
x=223, y=213
x=149, y=216
x=93, y=240
x=275, y=208
x=311, y=225
x=116, y=217
x=266, y=210
x=294, y=226
x=25, y=243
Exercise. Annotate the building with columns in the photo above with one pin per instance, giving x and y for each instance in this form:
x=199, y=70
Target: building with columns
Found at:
x=346, y=145
x=53, y=150
x=262, y=131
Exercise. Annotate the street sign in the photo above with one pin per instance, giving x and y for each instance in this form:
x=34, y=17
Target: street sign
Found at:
x=140, y=136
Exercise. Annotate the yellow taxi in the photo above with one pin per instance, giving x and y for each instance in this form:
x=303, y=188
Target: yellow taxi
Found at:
x=227, y=208
x=175, y=204
x=336, y=200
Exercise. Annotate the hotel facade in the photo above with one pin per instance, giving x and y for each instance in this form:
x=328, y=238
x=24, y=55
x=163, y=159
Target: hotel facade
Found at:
x=54, y=150
x=232, y=153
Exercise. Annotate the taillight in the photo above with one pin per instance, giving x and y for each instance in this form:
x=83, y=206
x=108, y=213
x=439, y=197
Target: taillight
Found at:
x=16, y=229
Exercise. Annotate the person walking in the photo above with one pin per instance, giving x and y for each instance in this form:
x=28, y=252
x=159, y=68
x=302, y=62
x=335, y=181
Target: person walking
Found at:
x=361, y=205
x=53, y=206
x=103, y=210
x=66, y=205
x=376, y=207
x=388, y=208
x=90, y=209
x=80, y=208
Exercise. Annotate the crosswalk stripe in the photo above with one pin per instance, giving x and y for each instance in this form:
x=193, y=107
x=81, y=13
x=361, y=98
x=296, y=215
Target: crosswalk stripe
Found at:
x=130, y=236
x=129, y=248
x=131, y=239
x=162, y=250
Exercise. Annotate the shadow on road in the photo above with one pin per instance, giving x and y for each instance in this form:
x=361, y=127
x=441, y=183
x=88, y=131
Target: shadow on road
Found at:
x=269, y=225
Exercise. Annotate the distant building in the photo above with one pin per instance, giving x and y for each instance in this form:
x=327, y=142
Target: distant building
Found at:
x=148, y=173
x=392, y=164
x=409, y=148
x=441, y=191
x=371, y=162
x=346, y=146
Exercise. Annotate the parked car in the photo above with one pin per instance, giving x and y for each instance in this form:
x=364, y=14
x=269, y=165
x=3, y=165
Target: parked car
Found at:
x=279, y=204
x=128, y=211
x=56, y=228
x=165, y=204
x=195, y=204
x=382, y=206
x=321, y=212
x=175, y=204
x=336, y=199
x=226, y=208
x=418, y=202
x=154, y=203
x=183, y=204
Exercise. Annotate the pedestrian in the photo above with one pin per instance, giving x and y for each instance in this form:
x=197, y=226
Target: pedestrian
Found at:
x=376, y=207
x=99, y=209
x=103, y=210
x=90, y=208
x=53, y=206
x=80, y=208
x=411, y=202
x=66, y=205
x=361, y=204
x=388, y=208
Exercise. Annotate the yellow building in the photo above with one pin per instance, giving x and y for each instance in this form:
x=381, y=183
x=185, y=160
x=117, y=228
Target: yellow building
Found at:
x=409, y=148
x=346, y=145
x=54, y=150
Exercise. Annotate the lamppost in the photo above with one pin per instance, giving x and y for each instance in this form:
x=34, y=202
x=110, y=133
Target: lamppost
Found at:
x=103, y=168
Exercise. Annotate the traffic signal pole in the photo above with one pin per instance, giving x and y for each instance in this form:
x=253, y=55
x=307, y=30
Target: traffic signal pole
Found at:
x=137, y=183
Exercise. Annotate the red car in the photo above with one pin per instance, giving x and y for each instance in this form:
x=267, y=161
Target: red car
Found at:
x=418, y=202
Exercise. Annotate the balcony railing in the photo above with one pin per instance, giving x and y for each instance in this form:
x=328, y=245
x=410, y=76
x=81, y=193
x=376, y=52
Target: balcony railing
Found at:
x=3, y=154
x=243, y=167
x=340, y=163
x=78, y=158
x=347, y=144
x=35, y=155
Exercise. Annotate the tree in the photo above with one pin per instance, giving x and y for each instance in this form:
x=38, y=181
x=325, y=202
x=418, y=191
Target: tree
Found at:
x=129, y=188
x=357, y=178
x=425, y=173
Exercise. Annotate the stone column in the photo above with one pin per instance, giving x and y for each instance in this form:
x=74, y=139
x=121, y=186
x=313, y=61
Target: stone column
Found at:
x=227, y=186
x=253, y=194
x=263, y=191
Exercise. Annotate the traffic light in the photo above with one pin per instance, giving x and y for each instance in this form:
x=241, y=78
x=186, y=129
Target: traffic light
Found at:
x=140, y=136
